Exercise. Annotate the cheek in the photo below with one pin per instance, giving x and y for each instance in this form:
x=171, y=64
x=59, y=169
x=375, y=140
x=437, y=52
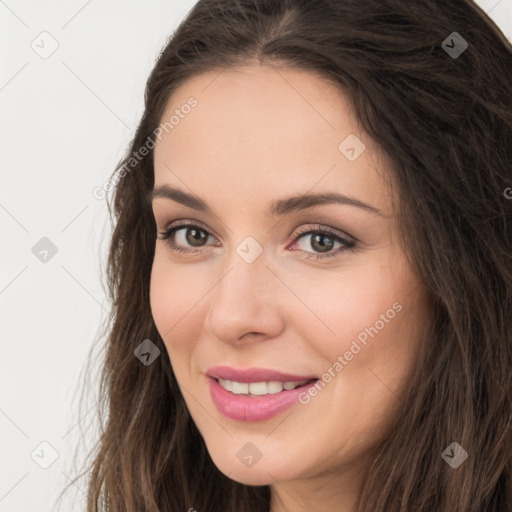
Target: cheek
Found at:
x=177, y=299
x=330, y=310
x=344, y=305
x=371, y=317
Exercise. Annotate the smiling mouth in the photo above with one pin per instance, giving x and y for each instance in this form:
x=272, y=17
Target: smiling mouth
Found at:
x=257, y=389
x=259, y=400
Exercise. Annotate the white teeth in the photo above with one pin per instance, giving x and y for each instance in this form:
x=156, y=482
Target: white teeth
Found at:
x=259, y=388
x=226, y=384
x=275, y=387
x=240, y=388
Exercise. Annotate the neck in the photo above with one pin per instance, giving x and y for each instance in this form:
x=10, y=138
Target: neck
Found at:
x=324, y=492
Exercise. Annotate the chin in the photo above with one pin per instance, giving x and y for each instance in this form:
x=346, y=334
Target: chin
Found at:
x=249, y=477
x=261, y=473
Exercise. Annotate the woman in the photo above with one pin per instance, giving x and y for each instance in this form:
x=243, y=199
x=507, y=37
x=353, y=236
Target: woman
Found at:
x=311, y=266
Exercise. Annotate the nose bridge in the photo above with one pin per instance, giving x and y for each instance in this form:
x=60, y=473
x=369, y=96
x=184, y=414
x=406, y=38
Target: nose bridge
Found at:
x=244, y=300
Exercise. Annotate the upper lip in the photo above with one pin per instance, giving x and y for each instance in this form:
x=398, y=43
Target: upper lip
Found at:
x=254, y=375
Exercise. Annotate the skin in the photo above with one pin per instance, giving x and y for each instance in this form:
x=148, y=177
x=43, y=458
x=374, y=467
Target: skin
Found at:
x=258, y=134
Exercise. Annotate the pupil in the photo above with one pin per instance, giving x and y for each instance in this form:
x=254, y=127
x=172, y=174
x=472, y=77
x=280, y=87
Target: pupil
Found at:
x=323, y=247
x=197, y=236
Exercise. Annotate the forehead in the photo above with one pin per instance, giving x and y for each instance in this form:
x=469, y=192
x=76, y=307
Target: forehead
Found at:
x=261, y=129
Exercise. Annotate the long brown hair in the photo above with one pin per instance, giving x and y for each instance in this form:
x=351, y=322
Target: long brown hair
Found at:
x=445, y=121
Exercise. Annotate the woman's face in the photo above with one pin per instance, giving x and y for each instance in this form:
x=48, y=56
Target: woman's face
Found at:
x=258, y=293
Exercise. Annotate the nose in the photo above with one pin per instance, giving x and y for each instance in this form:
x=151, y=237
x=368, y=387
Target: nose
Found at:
x=245, y=304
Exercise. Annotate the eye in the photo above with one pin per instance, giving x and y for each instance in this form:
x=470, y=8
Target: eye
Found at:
x=192, y=234
x=182, y=235
x=323, y=239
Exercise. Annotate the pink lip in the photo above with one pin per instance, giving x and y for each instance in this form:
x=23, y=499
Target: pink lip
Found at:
x=254, y=375
x=253, y=408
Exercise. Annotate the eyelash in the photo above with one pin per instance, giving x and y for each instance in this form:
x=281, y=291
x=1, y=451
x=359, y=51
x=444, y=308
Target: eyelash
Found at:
x=349, y=245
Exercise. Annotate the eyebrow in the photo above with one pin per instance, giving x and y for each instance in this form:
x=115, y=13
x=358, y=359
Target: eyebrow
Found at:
x=278, y=207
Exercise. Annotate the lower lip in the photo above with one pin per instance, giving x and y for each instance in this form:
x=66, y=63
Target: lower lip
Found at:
x=254, y=408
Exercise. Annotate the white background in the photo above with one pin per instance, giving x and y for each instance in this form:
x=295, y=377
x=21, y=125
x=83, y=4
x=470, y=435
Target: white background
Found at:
x=65, y=123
